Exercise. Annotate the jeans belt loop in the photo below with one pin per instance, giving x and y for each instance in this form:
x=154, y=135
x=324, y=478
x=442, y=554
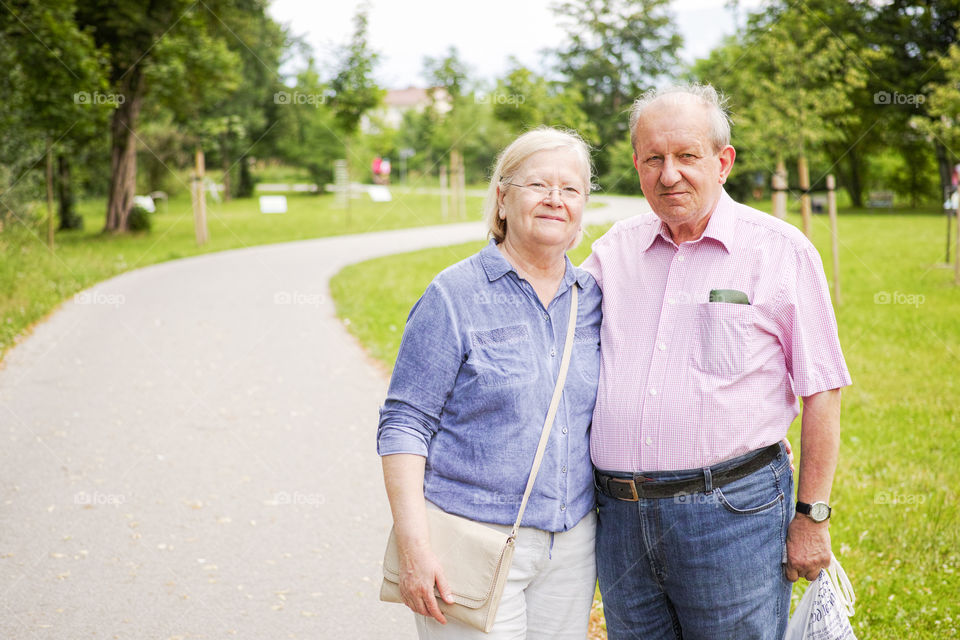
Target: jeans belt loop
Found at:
x=707, y=480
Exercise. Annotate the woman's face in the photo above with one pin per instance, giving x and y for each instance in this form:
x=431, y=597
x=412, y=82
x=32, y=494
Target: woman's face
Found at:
x=544, y=220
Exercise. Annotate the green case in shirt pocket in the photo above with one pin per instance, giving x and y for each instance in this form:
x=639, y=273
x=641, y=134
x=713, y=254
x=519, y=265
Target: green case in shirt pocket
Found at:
x=732, y=296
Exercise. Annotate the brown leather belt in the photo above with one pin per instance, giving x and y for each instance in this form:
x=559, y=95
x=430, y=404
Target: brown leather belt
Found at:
x=640, y=486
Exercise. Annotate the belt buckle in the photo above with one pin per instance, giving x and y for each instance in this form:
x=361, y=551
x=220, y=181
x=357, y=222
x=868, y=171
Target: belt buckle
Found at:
x=635, y=497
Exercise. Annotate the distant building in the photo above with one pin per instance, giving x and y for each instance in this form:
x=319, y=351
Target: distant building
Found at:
x=399, y=101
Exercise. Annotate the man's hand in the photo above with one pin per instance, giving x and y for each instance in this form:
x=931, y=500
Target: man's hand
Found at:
x=419, y=572
x=808, y=548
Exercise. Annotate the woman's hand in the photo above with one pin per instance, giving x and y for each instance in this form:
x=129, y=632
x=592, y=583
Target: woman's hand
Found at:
x=419, y=572
x=420, y=569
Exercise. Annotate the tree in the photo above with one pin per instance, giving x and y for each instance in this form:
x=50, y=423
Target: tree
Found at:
x=53, y=84
x=791, y=81
x=353, y=89
x=917, y=34
x=305, y=130
x=616, y=50
x=524, y=99
x=136, y=37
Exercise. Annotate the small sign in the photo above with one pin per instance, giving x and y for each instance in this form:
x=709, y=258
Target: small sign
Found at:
x=144, y=202
x=379, y=193
x=273, y=204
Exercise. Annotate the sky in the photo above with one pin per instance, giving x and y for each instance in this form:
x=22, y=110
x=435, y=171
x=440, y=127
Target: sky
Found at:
x=485, y=33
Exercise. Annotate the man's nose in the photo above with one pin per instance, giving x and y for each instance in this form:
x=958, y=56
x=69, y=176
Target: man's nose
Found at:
x=670, y=174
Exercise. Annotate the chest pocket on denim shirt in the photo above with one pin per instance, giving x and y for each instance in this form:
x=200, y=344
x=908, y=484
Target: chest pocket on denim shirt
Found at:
x=503, y=356
x=586, y=352
x=722, y=337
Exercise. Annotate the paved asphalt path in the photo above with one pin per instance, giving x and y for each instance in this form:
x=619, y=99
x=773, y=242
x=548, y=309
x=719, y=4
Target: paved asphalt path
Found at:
x=187, y=451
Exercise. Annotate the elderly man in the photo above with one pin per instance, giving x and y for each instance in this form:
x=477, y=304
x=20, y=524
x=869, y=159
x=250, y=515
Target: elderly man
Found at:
x=715, y=318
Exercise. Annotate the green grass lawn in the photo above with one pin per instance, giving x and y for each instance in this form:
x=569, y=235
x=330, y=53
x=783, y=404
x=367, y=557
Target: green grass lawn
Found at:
x=34, y=281
x=896, y=524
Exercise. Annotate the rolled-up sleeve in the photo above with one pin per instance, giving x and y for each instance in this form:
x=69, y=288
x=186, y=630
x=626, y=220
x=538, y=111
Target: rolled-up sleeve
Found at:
x=424, y=375
x=810, y=342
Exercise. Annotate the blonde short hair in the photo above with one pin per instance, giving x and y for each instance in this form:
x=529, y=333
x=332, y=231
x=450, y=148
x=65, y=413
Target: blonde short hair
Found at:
x=512, y=158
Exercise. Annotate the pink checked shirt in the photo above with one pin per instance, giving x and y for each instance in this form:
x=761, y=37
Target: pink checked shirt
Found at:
x=687, y=383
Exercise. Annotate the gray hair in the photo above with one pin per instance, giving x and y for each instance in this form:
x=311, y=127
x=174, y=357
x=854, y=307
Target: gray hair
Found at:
x=542, y=138
x=705, y=94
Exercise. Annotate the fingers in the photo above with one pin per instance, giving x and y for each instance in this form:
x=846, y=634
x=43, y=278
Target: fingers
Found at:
x=790, y=573
x=444, y=587
x=433, y=609
x=789, y=451
x=794, y=573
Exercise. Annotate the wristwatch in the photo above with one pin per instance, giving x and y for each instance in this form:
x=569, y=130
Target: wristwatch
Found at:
x=818, y=511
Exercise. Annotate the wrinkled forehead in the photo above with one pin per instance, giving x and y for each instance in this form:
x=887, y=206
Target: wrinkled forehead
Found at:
x=560, y=162
x=674, y=117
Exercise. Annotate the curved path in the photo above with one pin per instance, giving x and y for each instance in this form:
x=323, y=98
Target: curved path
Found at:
x=188, y=452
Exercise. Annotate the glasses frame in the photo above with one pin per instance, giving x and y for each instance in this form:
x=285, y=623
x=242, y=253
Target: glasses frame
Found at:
x=548, y=191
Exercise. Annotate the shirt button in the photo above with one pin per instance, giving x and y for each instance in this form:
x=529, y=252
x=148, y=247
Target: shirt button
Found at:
x=671, y=301
x=662, y=346
x=563, y=507
x=553, y=353
x=564, y=430
x=679, y=258
x=649, y=441
x=563, y=469
x=653, y=392
x=546, y=317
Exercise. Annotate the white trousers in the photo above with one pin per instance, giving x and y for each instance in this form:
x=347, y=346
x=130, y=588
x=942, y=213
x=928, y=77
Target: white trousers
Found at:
x=549, y=590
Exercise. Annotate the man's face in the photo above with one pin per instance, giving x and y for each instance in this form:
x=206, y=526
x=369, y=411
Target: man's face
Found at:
x=681, y=174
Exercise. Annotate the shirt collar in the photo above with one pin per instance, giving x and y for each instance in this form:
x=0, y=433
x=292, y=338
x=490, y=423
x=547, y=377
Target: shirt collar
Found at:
x=721, y=227
x=496, y=266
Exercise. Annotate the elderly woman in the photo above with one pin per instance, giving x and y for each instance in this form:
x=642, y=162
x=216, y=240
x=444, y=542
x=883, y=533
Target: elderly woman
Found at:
x=472, y=383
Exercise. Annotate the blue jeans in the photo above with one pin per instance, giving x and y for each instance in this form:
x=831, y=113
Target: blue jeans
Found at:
x=706, y=566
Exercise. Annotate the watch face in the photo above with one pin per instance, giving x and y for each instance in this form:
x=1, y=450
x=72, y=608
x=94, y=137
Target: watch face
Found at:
x=819, y=511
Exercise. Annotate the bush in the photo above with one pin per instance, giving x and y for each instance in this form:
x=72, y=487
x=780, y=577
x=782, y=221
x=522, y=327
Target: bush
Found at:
x=139, y=219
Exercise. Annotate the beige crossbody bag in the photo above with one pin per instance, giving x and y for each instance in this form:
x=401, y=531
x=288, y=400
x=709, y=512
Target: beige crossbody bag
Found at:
x=475, y=557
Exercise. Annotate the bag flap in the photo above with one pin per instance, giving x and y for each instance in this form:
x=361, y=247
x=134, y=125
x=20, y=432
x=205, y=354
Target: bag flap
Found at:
x=469, y=552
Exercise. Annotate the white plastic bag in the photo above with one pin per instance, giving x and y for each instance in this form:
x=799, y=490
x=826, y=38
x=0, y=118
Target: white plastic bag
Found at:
x=824, y=610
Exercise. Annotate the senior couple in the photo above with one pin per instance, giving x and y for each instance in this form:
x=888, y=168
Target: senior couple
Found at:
x=666, y=475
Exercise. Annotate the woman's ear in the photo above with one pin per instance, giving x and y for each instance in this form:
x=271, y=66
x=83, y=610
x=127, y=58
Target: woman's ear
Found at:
x=501, y=213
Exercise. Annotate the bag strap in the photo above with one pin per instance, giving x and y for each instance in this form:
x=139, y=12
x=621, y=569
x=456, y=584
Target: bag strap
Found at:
x=846, y=598
x=554, y=403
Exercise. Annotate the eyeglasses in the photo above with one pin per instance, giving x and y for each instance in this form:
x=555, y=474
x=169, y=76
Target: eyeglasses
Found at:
x=567, y=194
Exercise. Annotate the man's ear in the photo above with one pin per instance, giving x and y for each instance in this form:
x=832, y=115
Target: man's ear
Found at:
x=727, y=156
x=636, y=162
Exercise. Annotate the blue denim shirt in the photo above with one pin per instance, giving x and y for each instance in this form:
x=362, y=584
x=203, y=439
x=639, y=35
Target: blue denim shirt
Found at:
x=472, y=384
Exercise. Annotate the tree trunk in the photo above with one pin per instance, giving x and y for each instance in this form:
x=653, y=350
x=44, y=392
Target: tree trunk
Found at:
x=779, y=196
x=943, y=163
x=855, y=178
x=49, y=194
x=803, y=174
x=123, y=156
x=245, y=187
x=227, y=191
x=200, y=201
x=67, y=210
